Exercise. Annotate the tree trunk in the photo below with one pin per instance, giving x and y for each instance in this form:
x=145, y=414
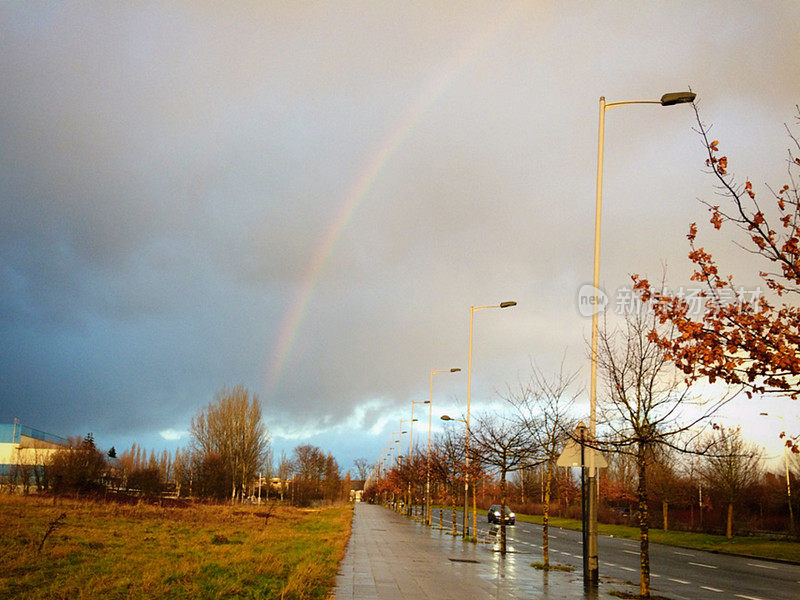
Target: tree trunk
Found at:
x=455, y=530
x=729, y=527
x=664, y=512
x=503, y=512
x=644, y=535
x=474, y=510
x=546, y=517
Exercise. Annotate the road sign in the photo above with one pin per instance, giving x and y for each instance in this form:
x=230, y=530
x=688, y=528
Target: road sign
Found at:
x=571, y=456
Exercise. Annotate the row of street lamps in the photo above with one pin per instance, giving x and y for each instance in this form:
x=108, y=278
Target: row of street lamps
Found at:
x=429, y=402
x=591, y=574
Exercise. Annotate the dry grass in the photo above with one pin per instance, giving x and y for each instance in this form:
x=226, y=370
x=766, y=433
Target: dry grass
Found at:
x=204, y=551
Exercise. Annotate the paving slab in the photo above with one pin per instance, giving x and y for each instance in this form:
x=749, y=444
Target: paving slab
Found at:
x=391, y=557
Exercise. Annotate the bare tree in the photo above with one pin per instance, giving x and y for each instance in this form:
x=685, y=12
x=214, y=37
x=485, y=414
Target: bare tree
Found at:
x=362, y=468
x=543, y=404
x=447, y=466
x=284, y=472
x=231, y=429
x=731, y=467
x=665, y=480
x=502, y=444
x=309, y=474
x=643, y=407
x=78, y=467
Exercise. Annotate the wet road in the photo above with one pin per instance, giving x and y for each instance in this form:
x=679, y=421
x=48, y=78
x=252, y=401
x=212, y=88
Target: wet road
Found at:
x=677, y=573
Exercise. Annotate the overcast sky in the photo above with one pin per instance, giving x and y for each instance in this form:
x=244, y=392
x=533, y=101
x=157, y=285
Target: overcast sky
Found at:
x=306, y=198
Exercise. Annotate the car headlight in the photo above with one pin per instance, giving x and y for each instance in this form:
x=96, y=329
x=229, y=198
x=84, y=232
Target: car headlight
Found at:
x=496, y=514
x=510, y=515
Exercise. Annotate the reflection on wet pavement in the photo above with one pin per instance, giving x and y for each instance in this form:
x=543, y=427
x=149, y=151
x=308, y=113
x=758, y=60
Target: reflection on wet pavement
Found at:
x=390, y=557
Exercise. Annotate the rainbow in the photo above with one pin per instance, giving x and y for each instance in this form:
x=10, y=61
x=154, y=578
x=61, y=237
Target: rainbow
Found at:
x=358, y=190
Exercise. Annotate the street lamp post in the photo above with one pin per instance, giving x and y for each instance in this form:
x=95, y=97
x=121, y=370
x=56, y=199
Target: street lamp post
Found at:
x=788, y=483
x=472, y=310
x=409, y=508
x=666, y=100
x=464, y=525
x=428, y=462
x=400, y=437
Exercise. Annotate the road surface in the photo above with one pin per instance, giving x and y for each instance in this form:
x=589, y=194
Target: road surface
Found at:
x=676, y=572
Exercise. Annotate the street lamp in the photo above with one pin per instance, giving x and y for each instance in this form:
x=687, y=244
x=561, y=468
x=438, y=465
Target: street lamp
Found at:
x=788, y=484
x=669, y=99
x=466, y=474
x=409, y=508
x=472, y=310
x=428, y=462
x=395, y=443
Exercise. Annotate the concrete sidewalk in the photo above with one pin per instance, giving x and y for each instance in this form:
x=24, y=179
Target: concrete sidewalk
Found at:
x=390, y=557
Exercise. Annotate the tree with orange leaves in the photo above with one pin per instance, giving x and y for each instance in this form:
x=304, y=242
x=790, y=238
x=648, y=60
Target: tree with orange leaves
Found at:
x=755, y=343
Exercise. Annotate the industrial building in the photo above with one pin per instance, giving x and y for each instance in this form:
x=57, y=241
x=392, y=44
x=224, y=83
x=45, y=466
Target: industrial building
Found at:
x=22, y=446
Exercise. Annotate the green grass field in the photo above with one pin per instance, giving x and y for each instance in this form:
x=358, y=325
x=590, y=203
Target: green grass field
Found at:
x=111, y=551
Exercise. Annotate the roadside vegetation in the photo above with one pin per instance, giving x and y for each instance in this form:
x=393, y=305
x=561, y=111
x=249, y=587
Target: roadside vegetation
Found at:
x=770, y=547
x=60, y=548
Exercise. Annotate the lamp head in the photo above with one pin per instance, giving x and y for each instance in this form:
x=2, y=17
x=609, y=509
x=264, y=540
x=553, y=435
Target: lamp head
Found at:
x=677, y=98
x=507, y=304
x=454, y=370
x=445, y=418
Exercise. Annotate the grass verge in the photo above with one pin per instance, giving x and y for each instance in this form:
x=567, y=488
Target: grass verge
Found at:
x=204, y=551
x=756, y=547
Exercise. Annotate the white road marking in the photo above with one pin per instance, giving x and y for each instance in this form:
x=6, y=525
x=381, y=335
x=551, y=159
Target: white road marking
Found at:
x=609, y=564
x=684, y=553
x=761, y=567
x=630, y=552
x=710, y=589
x=678, y=580
x=748, y=597
x=628, y=569
x=702, y=565
x=654, y=575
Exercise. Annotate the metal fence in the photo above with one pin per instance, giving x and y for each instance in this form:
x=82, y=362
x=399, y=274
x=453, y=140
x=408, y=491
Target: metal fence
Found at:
x=12, y=433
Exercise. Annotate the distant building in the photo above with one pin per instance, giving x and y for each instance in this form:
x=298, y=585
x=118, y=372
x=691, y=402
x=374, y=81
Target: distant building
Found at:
x=356, y=489
x=23, y=446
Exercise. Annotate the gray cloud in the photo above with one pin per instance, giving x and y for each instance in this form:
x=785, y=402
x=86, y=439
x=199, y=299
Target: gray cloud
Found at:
x=167, y=174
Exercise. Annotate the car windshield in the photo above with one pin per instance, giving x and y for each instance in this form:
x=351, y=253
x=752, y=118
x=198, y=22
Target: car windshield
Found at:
x=497, y=509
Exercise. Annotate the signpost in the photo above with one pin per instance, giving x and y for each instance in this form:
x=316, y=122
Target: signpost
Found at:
x=575, y=454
